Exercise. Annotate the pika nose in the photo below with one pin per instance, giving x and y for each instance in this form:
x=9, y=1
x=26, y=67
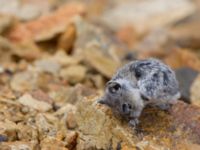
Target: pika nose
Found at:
x=114, y=87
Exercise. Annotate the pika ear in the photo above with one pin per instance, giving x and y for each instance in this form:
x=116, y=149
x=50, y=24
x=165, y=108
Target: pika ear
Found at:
x=113, y=86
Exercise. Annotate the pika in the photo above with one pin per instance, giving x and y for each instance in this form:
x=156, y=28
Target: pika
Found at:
x=138, y=84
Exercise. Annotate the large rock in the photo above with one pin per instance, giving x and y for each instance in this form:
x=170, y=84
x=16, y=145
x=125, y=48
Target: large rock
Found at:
x=186, y=77
x=145, y=15
x=98, y=128
x=194, y=90
x=46, y=27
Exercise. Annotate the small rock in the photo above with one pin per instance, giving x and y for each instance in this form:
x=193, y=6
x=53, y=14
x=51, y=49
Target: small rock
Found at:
x=5, y=22
x=73, y=74
x=71, y=121
x=18, y=145
x=186, y=77
x=71, y=139
x=45, y=127
x=27, y=132
x=67, y=115
x=65, y=60
x=64, y=110
x=40, y=95
x=194, y=90
x=24, y=81
x=37, y=104
x=25, y=51
x=8, y=130
x=67, y=39
x=47, y=65
x=3, y=138
x=52, y=144
x=97, y=80
x=100, y=62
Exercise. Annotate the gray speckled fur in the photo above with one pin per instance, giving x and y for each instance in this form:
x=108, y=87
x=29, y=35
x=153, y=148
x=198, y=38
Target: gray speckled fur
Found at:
x=150, y=79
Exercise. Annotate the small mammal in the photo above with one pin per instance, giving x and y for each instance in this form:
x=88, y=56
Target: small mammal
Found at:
x=138, y=84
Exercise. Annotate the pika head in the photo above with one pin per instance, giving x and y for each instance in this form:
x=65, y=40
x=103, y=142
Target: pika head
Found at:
x=124, y=98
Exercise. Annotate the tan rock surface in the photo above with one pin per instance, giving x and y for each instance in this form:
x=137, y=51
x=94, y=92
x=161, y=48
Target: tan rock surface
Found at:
x=99, y=128
x=194, y=91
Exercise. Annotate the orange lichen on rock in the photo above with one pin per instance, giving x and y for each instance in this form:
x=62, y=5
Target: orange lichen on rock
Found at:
x=46, y=26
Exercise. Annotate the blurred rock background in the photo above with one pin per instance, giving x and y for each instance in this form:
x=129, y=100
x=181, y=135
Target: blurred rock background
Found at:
x=57, y=55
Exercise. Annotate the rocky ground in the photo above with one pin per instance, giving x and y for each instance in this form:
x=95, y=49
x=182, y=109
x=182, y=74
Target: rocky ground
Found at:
x=57, y=55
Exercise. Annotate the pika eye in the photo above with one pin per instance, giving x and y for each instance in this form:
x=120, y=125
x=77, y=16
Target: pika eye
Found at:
x=114, y=87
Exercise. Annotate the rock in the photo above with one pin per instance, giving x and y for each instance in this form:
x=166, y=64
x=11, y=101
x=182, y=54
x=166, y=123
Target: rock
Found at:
x=73, y=74
x=18, y=145
x=25, y=51
x=25, y=11
x=46, y=27
x=188, y=117
x=6, y=50
x=186, y=35
x=27, y=132
x=65, y=60
x=154, y=41
x=6, y=22
x=66, y=113
x=178, y=58
x=45, y=127
x=40, y=95
x=37, y=104
x=99, y=61
x=64, y=110
x=186, y=77
x=24, y=81
x=3, y=138
x=71, y=139
x=70, y=95
x=90, y=36
x=127, y=35
x=194, y=90
x=8, y=130
x=98, y=128
x=52, y=144
x=67, y=39
x=28, y=12
x=97, y=80
x=71, y=121
x=47, y=65
x=158, y=14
